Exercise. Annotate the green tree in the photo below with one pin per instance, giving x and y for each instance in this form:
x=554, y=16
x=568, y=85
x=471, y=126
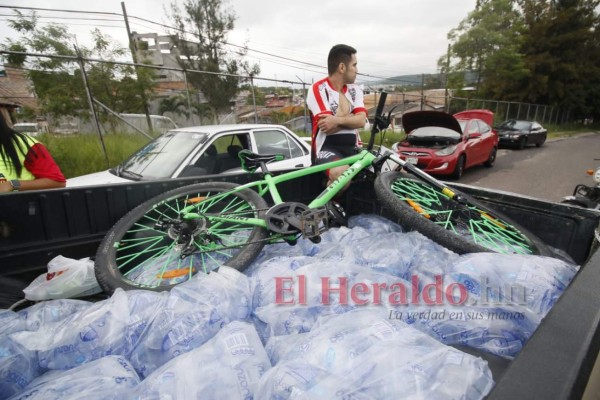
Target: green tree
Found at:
x=561, y=47
x=57, y=89
x=487, y=43
x=257, y=94
x=115, y=85
x=203, y=26
x=174, y=104
x=58, y=82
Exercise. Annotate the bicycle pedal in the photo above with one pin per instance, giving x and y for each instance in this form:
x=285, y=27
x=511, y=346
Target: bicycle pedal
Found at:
x=315, y=239
x=313, y=222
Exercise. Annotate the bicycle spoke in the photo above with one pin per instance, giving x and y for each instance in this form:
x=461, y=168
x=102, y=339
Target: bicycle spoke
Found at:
x=150, y=252
x=468, y=221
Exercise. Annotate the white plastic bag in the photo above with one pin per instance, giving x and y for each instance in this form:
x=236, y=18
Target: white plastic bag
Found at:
x=66, y=278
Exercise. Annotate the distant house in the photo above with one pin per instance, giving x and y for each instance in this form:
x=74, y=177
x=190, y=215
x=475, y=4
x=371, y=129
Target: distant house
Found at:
x=275, y=100
x=403, y=103
x=16, y=92
x=7, y=110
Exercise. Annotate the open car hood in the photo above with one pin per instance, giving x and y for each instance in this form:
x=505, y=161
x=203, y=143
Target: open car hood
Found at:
x=486, y=115
x=419, y=119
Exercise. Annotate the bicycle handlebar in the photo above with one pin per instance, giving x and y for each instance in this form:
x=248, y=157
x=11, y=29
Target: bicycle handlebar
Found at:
x=380, y=121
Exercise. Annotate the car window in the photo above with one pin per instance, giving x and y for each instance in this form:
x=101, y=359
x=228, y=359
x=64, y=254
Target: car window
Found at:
x=473, y=126
x=277, y=142
x=536, y=127
x=485, y=128
x=228, y=143
x=516, y=125
x=161, y=157
x=227, y=149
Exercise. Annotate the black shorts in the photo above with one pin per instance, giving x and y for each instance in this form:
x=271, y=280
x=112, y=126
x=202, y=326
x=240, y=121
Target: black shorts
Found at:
x=336, y=147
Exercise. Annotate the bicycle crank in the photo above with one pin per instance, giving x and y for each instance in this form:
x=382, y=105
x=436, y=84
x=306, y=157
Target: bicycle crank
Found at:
x=290, y=218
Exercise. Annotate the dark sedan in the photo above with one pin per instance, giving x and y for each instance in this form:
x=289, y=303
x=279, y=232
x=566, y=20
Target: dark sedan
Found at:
x=521, y=133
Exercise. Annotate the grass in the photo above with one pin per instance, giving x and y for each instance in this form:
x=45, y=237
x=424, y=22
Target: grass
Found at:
x=555, y=131
x=83, y=154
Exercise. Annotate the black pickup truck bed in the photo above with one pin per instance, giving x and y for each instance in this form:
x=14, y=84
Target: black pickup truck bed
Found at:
x=556, y=362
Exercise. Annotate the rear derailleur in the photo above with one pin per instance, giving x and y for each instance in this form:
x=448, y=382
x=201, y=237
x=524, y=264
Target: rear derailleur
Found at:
x=185, y=233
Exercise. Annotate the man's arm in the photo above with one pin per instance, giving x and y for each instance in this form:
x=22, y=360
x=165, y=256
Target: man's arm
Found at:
x=332, y=124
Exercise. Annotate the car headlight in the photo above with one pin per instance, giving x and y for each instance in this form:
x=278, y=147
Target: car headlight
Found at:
x=446, y=151
x=597, y=175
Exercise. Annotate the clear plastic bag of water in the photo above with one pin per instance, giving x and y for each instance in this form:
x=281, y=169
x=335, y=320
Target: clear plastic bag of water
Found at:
x=228, y=366
x=108, y=378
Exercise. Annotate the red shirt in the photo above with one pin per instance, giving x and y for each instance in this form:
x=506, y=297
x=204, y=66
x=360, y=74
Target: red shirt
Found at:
x=41, y=164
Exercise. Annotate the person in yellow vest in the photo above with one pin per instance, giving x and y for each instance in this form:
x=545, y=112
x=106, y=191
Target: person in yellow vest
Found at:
x=25, y=163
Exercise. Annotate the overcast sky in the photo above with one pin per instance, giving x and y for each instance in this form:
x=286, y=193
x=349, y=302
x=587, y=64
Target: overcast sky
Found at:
x=393, y=37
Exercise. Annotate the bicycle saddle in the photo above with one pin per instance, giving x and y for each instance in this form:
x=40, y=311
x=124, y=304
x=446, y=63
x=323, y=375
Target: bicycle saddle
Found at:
x=251, y=161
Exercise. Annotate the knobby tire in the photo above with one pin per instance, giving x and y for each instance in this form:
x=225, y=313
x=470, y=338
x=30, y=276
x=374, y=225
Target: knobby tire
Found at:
x=143, y=249
x=462, y=228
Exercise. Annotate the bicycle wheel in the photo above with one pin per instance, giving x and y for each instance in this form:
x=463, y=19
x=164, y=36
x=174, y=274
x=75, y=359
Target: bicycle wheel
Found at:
x=462, y=228
x=153, y=248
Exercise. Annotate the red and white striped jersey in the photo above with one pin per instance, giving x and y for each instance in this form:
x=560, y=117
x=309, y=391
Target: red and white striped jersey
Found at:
x=323, y=99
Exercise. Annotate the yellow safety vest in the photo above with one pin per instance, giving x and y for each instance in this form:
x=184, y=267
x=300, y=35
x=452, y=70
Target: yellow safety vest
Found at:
x=7, y=168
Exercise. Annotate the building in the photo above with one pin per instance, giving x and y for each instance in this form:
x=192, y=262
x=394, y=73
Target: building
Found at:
x=16, y=93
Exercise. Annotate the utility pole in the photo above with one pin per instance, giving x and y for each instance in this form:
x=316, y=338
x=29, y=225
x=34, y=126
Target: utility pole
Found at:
x=254, y=99
x=134, y=57
x=90, y=98
x=304, y=96
x=446, y=102
x=422, y=91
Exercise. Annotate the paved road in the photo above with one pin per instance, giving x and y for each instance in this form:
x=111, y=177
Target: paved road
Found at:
x=549, y=172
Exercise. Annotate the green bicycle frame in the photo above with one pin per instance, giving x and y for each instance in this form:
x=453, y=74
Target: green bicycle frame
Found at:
x=269, y=184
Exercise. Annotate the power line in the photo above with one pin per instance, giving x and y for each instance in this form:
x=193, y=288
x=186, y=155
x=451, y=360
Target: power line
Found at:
x=165, y=26
x=63, y=17
x=195, y=35
x=61, y=10
x=76, y=24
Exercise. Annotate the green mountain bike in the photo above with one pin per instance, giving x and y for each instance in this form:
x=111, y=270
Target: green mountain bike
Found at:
x=198, y=228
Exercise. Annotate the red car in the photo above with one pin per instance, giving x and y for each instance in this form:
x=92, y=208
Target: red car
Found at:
x=442, y=144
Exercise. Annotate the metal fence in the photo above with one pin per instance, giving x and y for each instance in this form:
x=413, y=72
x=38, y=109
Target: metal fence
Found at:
x=504, y=110
x=187, y=117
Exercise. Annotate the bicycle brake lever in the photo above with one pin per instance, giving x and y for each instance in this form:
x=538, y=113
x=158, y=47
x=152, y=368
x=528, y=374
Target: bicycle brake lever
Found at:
x=382, y=122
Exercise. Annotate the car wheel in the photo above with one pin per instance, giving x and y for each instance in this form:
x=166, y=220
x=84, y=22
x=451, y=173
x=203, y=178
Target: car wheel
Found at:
x=522, y=143
x=541, y=142
x=490, y=161
x=460, y=168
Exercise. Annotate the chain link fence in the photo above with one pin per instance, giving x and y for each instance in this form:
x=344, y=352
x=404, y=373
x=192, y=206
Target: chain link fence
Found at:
x=244, y=109
x=504, y=110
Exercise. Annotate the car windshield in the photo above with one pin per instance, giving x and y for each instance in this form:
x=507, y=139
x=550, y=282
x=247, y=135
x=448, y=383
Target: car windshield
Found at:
x=515, y=125
x=161, y=157
x=463, y=124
